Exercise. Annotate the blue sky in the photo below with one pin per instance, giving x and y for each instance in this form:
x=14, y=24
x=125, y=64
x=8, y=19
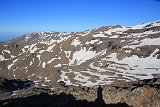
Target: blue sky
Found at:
x=22, y=16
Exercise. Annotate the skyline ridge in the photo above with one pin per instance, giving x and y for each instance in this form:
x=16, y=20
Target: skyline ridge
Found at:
x=19, y=34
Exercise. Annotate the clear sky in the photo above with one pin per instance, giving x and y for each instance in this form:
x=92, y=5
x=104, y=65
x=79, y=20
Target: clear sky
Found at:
x=22, y=16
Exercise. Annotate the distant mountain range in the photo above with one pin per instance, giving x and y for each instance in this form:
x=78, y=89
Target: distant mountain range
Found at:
x=105, y=55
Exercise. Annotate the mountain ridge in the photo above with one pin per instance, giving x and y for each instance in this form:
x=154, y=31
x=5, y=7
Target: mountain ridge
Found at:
x=94, y=57
x=80, y=31
x=107, y=66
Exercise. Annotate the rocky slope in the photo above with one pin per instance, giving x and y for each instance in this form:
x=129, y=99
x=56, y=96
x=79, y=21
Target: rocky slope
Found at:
x=102, y=56
x=144, y=93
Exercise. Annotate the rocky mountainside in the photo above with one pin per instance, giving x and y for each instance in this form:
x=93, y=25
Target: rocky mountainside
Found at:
x=95, y=57
x=102, y=56
x=144, y=93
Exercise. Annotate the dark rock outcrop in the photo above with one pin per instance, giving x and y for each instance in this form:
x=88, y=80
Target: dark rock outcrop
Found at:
x=145, y=93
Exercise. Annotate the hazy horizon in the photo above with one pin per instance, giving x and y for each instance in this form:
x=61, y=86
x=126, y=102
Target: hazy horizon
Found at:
x=6, y=36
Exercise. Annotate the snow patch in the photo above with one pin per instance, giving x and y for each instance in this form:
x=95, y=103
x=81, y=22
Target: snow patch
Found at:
x=46, y=79
x=64, y=78
x=14, y=61
x=115, y=36
x=50, y=61
x=39, y=57
x=83, y=55
x=135, y=65
x=92, y=41
x=99, y=35
x=2, y=58
x=146, y=41
x=43, y=65
x=140, y=26
x=32, y=48
x=76, y=42
x=58, y=65
x=68, y=53
x=31, y=63
x=97, y=68
x=117, y=30
x=31, y=75
x=8, y=51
